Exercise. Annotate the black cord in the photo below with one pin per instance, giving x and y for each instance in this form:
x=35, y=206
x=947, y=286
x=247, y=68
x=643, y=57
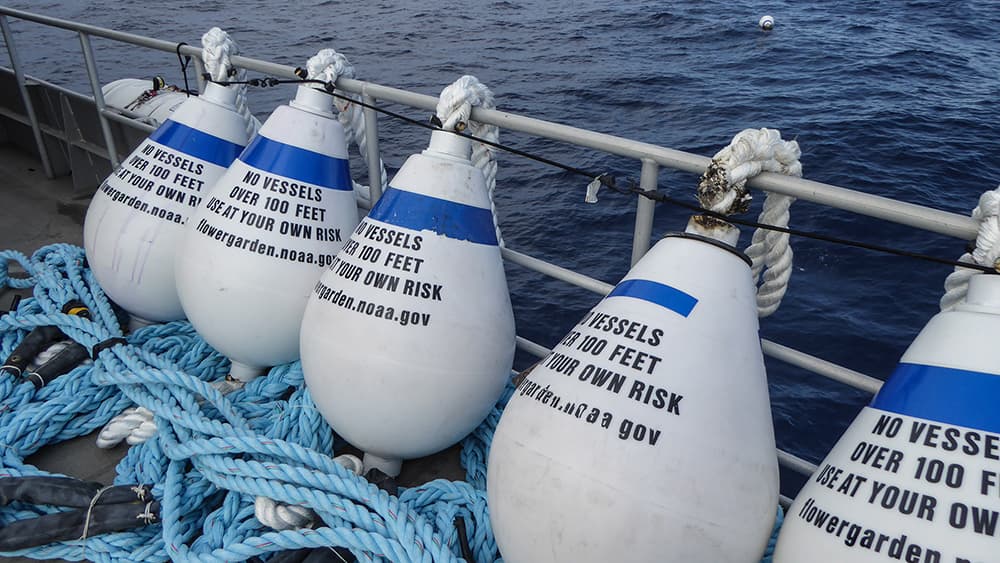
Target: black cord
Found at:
x=610, y=182
x=184, y=61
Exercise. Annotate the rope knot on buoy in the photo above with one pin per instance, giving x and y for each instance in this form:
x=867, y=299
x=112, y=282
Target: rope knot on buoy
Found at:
x=985, y=253
x=453, y=113
x=217, y=50
x=723, y=189
x=328, y=65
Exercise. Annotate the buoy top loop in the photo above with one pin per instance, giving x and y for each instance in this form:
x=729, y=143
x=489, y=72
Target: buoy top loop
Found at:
x=985, y=253
x=457, y=100
x=723, y=189
x=217, y=50
x=328, y=65
x=453, y=111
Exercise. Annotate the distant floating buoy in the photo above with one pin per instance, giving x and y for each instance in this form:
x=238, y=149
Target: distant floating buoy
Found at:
x=647, y=430
x=135, y=220
x=252, y=253
x=408, y=338
x=766, y=23
x=916, y=476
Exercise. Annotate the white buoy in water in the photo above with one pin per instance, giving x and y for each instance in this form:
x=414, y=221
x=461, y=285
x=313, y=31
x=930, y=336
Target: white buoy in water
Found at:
x=135, y=220
x=766, y=23
x=646, y=434
x=408, y=338
x=253, y=252
x=916, y=477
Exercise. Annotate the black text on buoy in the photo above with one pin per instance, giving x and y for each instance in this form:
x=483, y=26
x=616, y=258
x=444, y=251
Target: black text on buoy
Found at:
x=255, y=249
x=646, y=434
x=916, y=477
x=135, y=220
x=408, y=338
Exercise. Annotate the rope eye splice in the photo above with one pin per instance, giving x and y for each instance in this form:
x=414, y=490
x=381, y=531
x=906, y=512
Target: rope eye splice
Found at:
x=93, y=509
x=723, y=191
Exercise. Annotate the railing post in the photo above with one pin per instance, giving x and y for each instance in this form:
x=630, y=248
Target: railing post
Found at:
x=22, y=87
x=644, y=210
x=371, y=135
x=95, y=85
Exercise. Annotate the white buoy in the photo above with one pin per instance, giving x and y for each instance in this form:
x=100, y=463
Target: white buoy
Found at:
x=150, y=99
x=253, y=252
x=646, y=434
x=408, y=338
x=766, y=23
x=135, y=220
x=916, y=477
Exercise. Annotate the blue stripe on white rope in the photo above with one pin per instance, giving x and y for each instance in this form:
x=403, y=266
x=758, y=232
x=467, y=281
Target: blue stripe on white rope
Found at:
x=213, y=454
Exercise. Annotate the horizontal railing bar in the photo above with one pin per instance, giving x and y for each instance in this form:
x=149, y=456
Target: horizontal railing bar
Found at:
x=942, y=222
x=530, y=347
x=771, y=349
x=557, y=272
x=795, y=463
x=96, y=31
x=820, y=366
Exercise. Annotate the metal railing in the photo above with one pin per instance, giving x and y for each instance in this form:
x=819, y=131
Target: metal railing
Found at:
x=650, y=158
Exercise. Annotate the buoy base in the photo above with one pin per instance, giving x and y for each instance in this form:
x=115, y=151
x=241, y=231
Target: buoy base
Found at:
x=390, y=467
x=243, y=372
x=135, y=323
x=713, y=228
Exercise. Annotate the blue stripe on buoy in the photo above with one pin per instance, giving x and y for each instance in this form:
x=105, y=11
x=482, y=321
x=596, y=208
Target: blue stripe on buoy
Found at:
x=654, y=292
x=951, y=396
x=298, y=164
x=425, y=213
x=198, y=144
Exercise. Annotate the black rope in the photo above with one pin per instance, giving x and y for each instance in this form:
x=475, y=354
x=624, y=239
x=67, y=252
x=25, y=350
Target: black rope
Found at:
x=609, y=181
x=184, y=61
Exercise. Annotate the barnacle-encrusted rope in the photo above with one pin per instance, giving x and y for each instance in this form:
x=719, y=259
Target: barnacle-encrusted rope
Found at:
x=723, y=189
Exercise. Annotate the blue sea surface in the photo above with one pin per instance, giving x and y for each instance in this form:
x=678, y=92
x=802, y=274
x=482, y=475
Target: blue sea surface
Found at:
x=897, y=99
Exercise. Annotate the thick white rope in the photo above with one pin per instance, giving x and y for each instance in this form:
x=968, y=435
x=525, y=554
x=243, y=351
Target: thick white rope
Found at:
x=217, y=50
x=453, y=109
x=328, y=65
x=281, y=516
x=137, y=425
x=986, y=253
x=723, y=190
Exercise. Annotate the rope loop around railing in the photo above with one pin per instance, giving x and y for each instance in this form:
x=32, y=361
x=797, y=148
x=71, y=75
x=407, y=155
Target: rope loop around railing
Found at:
x=985, y=253
x=327, y=66
x=723, y=189
x=218, y=48
x=454, y=109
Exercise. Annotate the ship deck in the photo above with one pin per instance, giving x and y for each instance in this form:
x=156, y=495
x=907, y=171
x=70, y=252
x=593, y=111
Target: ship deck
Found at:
x=36, y=211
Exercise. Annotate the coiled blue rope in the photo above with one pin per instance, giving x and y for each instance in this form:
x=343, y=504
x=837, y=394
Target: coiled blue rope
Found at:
x=213, y=454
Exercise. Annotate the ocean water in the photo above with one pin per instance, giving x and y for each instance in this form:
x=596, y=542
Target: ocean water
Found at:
x=892, y=98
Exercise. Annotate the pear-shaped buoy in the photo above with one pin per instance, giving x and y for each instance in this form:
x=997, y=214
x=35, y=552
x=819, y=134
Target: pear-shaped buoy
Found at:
x=135, y=220
x=646, y=434
x=408, y=338
x=254, y=250
x=916, y=477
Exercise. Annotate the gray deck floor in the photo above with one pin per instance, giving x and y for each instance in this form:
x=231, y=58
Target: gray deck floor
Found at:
x=36, y=211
